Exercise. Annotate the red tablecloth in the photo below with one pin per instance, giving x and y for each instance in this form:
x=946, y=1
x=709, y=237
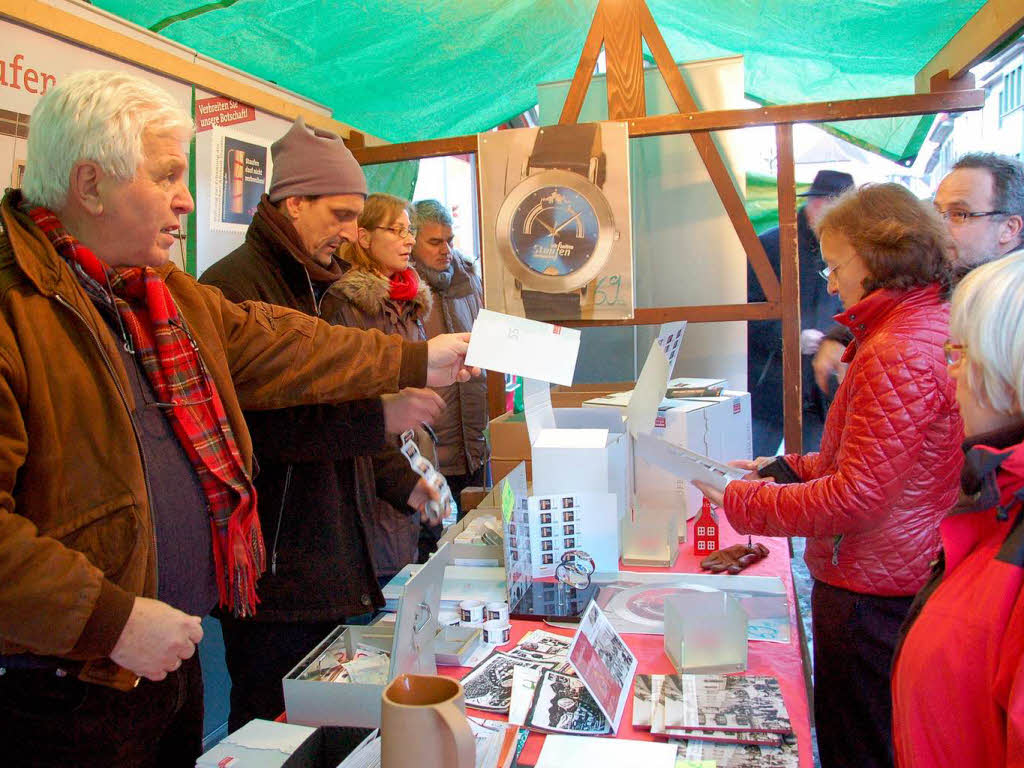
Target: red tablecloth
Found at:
x=780, y=660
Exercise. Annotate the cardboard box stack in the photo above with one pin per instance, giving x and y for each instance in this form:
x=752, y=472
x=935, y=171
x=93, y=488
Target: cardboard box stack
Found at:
x=718, y=427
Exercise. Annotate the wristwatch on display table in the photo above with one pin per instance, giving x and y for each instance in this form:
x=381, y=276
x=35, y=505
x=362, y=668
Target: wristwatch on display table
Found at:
x=555, y=228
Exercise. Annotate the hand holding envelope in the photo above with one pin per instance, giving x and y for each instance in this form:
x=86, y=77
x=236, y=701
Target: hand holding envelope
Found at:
x=446, y=360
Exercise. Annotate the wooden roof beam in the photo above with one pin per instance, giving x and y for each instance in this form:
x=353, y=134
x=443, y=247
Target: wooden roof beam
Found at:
x=995, y=22
x=717, y=120
x=104, y=32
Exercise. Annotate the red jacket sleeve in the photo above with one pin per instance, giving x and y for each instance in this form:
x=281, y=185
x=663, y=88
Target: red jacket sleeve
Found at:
x=894, y=398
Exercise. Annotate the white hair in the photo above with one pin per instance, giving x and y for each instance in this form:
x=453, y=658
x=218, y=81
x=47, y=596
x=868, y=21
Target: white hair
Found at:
x=99, y=116
x=987, y=316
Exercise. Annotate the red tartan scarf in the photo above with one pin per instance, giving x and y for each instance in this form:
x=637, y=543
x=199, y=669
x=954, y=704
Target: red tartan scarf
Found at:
x=171, y=360
x=404, y=285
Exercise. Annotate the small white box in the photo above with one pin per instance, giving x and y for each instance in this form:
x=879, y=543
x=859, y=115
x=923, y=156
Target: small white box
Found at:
x=259, y=744
x=575, y=457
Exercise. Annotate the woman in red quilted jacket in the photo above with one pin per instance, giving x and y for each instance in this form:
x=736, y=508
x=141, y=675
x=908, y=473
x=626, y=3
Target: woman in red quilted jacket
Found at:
x=958, y=677
x=870, y=501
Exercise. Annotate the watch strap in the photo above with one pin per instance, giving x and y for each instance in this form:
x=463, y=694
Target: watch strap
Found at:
x=567, y=146
x=538, y=305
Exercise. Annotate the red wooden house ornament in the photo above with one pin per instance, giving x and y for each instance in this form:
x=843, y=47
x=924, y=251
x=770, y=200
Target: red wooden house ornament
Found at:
x=705, y=530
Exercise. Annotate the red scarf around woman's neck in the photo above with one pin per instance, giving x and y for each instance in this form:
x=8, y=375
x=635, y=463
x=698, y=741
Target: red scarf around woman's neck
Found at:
x=405, y=285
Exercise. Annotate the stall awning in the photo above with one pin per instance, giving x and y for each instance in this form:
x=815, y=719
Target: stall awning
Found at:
x=417, y=69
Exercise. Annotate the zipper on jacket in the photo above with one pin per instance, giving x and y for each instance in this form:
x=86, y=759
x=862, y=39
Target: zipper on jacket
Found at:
x=280, y=516
x=135, y=430
x=312, y=293
x=835, y=549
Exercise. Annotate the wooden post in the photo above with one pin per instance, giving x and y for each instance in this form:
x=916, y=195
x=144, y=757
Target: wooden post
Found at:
x=624, y=54
x=789, y=269
x=495, y=394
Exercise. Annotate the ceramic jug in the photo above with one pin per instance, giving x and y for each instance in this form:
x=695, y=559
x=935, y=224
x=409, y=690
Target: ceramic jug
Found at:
x=423, y=723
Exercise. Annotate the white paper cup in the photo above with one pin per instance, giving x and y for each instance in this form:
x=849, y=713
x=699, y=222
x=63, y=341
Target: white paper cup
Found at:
x=496, y=632
x=471, y=611
x=497, y=611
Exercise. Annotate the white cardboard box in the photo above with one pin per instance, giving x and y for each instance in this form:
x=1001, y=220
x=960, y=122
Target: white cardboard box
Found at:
x=718, y=427
x=410, y=641
x=572, y=458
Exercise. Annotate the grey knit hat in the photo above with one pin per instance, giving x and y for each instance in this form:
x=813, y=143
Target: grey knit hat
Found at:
x=309, y=161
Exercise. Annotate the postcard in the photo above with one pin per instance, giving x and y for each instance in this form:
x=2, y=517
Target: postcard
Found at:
x=489, y=686
x=524, y=688
x=741, y=755
x=564, y=705
x=729, y=703
x=527, y=348
x=539, y=645
x=603, y=662
x=642, y=701
x=667, y=696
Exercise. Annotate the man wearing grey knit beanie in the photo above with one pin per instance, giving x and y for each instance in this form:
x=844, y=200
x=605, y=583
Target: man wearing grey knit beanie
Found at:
x=322, y=468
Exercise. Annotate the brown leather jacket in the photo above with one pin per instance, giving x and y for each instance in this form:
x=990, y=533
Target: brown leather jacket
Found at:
x=76, y=533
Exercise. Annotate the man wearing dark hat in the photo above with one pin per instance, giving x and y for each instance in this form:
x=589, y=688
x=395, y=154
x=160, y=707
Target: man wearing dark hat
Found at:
x=319, y=478
x=981, y=200
x=764, y=338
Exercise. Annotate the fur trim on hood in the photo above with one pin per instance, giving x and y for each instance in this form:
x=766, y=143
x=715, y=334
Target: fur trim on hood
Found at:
x=368, y=291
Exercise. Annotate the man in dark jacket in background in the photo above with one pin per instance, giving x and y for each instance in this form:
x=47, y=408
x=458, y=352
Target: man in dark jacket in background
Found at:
x=764, y=338
x=318, y=480
x=458, y=298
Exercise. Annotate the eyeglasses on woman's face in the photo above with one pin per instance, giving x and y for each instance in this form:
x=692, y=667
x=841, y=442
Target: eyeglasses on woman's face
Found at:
x=826, y=272
x=400, y=231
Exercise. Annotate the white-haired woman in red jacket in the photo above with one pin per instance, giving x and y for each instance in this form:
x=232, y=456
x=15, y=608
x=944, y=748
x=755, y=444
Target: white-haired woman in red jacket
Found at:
x=871, y=500
x=958, y=677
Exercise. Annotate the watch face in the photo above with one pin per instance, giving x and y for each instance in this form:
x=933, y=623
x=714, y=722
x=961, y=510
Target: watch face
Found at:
x=554, y=230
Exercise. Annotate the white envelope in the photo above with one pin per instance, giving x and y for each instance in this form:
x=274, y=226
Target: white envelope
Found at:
x=523, y=347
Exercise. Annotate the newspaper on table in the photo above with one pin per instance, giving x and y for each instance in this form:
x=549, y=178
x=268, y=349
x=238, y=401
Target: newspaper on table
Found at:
x=524, y=689
x=658, y=700
x=729, y=703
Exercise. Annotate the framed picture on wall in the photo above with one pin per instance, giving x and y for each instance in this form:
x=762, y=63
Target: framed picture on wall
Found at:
x=555, y=207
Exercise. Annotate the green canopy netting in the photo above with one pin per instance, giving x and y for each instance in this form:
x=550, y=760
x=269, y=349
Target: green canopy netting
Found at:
x=406, y=70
